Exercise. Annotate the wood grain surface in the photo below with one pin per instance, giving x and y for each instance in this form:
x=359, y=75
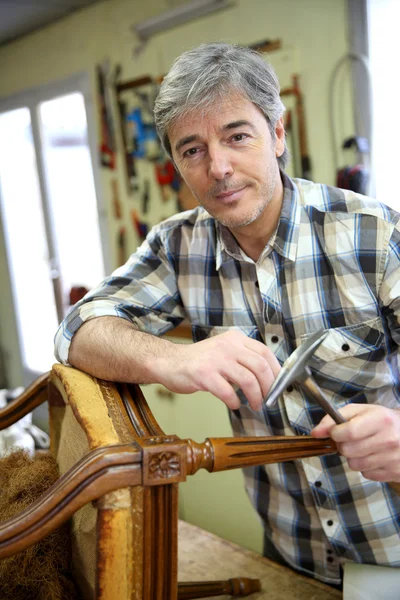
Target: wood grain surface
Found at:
x=203, y=556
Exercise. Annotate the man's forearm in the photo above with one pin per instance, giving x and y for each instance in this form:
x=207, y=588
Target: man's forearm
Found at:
x=113, y=349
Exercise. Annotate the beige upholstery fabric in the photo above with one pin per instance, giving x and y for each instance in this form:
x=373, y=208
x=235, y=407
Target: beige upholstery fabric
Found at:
x=73, y=445
x=102, y=535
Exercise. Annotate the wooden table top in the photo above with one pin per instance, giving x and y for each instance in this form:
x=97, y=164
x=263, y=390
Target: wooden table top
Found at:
x=204, y=556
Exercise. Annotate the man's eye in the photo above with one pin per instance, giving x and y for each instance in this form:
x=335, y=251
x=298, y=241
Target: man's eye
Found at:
x=238, y=137
x=190, y=152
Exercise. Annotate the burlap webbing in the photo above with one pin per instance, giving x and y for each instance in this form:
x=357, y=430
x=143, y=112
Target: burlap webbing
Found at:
x=102, y=537
x=73, y=446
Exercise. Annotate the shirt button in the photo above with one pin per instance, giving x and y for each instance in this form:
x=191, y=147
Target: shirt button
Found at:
x=330, y=522
x=274, y=339
x=345, y=347
x=318, y=484
x=289, y=388
x=330, y=559
x=329, y=551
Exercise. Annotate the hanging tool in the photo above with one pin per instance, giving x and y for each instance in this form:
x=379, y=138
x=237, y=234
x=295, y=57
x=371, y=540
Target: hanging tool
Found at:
x=301, y=123
x=116, y=203
x=290, y=136
x=355, y=177
x=145, y=140
x=146, y=196
x=121, y=246
x=107, y=141
x=130, y=170
x=76, y=293
x=166, y=175
x=139, y=226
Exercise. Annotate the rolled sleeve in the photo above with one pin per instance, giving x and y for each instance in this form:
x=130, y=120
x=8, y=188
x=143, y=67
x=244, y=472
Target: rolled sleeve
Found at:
x=76, y=318
x=144, y=291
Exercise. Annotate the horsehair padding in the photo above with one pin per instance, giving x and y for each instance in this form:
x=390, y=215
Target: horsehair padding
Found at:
x=43, y=571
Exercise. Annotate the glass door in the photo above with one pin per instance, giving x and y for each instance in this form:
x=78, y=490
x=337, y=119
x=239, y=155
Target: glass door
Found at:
x=50, y=216
x=71, y=194
x=29, y=261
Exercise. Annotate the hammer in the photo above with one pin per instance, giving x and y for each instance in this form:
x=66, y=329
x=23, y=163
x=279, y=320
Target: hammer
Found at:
x=296, y=370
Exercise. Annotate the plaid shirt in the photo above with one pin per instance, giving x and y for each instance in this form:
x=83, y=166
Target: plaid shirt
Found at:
x=332, y=263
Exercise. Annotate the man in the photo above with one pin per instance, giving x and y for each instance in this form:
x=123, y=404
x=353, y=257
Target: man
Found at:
x=264, y=262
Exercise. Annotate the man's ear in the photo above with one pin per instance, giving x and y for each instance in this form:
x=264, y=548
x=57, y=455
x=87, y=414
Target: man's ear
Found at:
x=171, y=157
x=176, y=166
x=279, y=137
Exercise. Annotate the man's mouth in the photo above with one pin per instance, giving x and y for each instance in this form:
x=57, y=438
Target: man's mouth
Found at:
x=229, y=195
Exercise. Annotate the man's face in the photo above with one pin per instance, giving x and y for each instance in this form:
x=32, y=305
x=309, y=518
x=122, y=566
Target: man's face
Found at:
x=228, y=158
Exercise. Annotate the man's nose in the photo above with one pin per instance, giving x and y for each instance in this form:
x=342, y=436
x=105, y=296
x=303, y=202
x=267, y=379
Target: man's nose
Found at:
x=220, y=165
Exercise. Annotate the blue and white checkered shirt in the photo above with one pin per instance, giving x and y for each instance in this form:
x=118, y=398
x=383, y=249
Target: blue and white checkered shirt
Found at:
x=332, y=263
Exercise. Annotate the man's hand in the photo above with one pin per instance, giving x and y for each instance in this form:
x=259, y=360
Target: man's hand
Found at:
x=370, y=440
x=216, y=365
x=113, y=349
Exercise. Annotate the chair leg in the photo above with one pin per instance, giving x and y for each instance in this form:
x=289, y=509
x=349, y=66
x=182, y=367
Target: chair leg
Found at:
x=241, y=586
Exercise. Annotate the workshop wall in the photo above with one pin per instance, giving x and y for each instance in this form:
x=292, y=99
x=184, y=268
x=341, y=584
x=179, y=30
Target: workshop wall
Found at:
x=313, y=32
x=313, y=35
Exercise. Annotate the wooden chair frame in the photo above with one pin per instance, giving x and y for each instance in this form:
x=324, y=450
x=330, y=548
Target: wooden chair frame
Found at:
x=151, y=465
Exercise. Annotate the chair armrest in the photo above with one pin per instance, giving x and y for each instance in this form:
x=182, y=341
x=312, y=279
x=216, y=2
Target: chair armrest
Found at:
x=33, y=396
x=222, y=454
x=99, y=472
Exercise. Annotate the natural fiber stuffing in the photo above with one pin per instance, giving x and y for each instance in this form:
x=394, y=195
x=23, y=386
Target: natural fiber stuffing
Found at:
x=42, y=572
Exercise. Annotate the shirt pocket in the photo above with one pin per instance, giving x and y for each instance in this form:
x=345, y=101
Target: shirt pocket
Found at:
x=346, y=362
x=360, y=340
x=204, y=332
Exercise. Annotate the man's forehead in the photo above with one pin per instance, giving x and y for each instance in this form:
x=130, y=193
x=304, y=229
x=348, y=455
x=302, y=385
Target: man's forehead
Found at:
x=217, y=114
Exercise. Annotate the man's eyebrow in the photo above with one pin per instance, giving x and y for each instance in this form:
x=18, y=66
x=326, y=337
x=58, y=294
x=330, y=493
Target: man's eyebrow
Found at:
x=235, y=124
x=186, y=140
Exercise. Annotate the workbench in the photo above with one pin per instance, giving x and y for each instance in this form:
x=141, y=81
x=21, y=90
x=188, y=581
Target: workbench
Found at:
x=203, y=556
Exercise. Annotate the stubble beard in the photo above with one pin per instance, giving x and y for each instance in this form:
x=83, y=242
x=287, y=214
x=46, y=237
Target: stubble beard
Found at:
x=234, y=221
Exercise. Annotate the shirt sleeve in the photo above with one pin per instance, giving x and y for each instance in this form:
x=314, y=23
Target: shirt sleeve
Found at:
x=144, y=291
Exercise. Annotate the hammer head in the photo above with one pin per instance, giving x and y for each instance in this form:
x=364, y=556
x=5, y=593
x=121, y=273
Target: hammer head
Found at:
x=294, y=368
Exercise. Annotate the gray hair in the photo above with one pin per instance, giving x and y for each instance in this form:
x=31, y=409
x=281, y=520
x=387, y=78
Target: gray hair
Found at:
x=210, y=72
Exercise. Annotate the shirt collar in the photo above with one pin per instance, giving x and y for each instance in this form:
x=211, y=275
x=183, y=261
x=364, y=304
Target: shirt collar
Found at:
x=285, y=238
x=227, y=245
